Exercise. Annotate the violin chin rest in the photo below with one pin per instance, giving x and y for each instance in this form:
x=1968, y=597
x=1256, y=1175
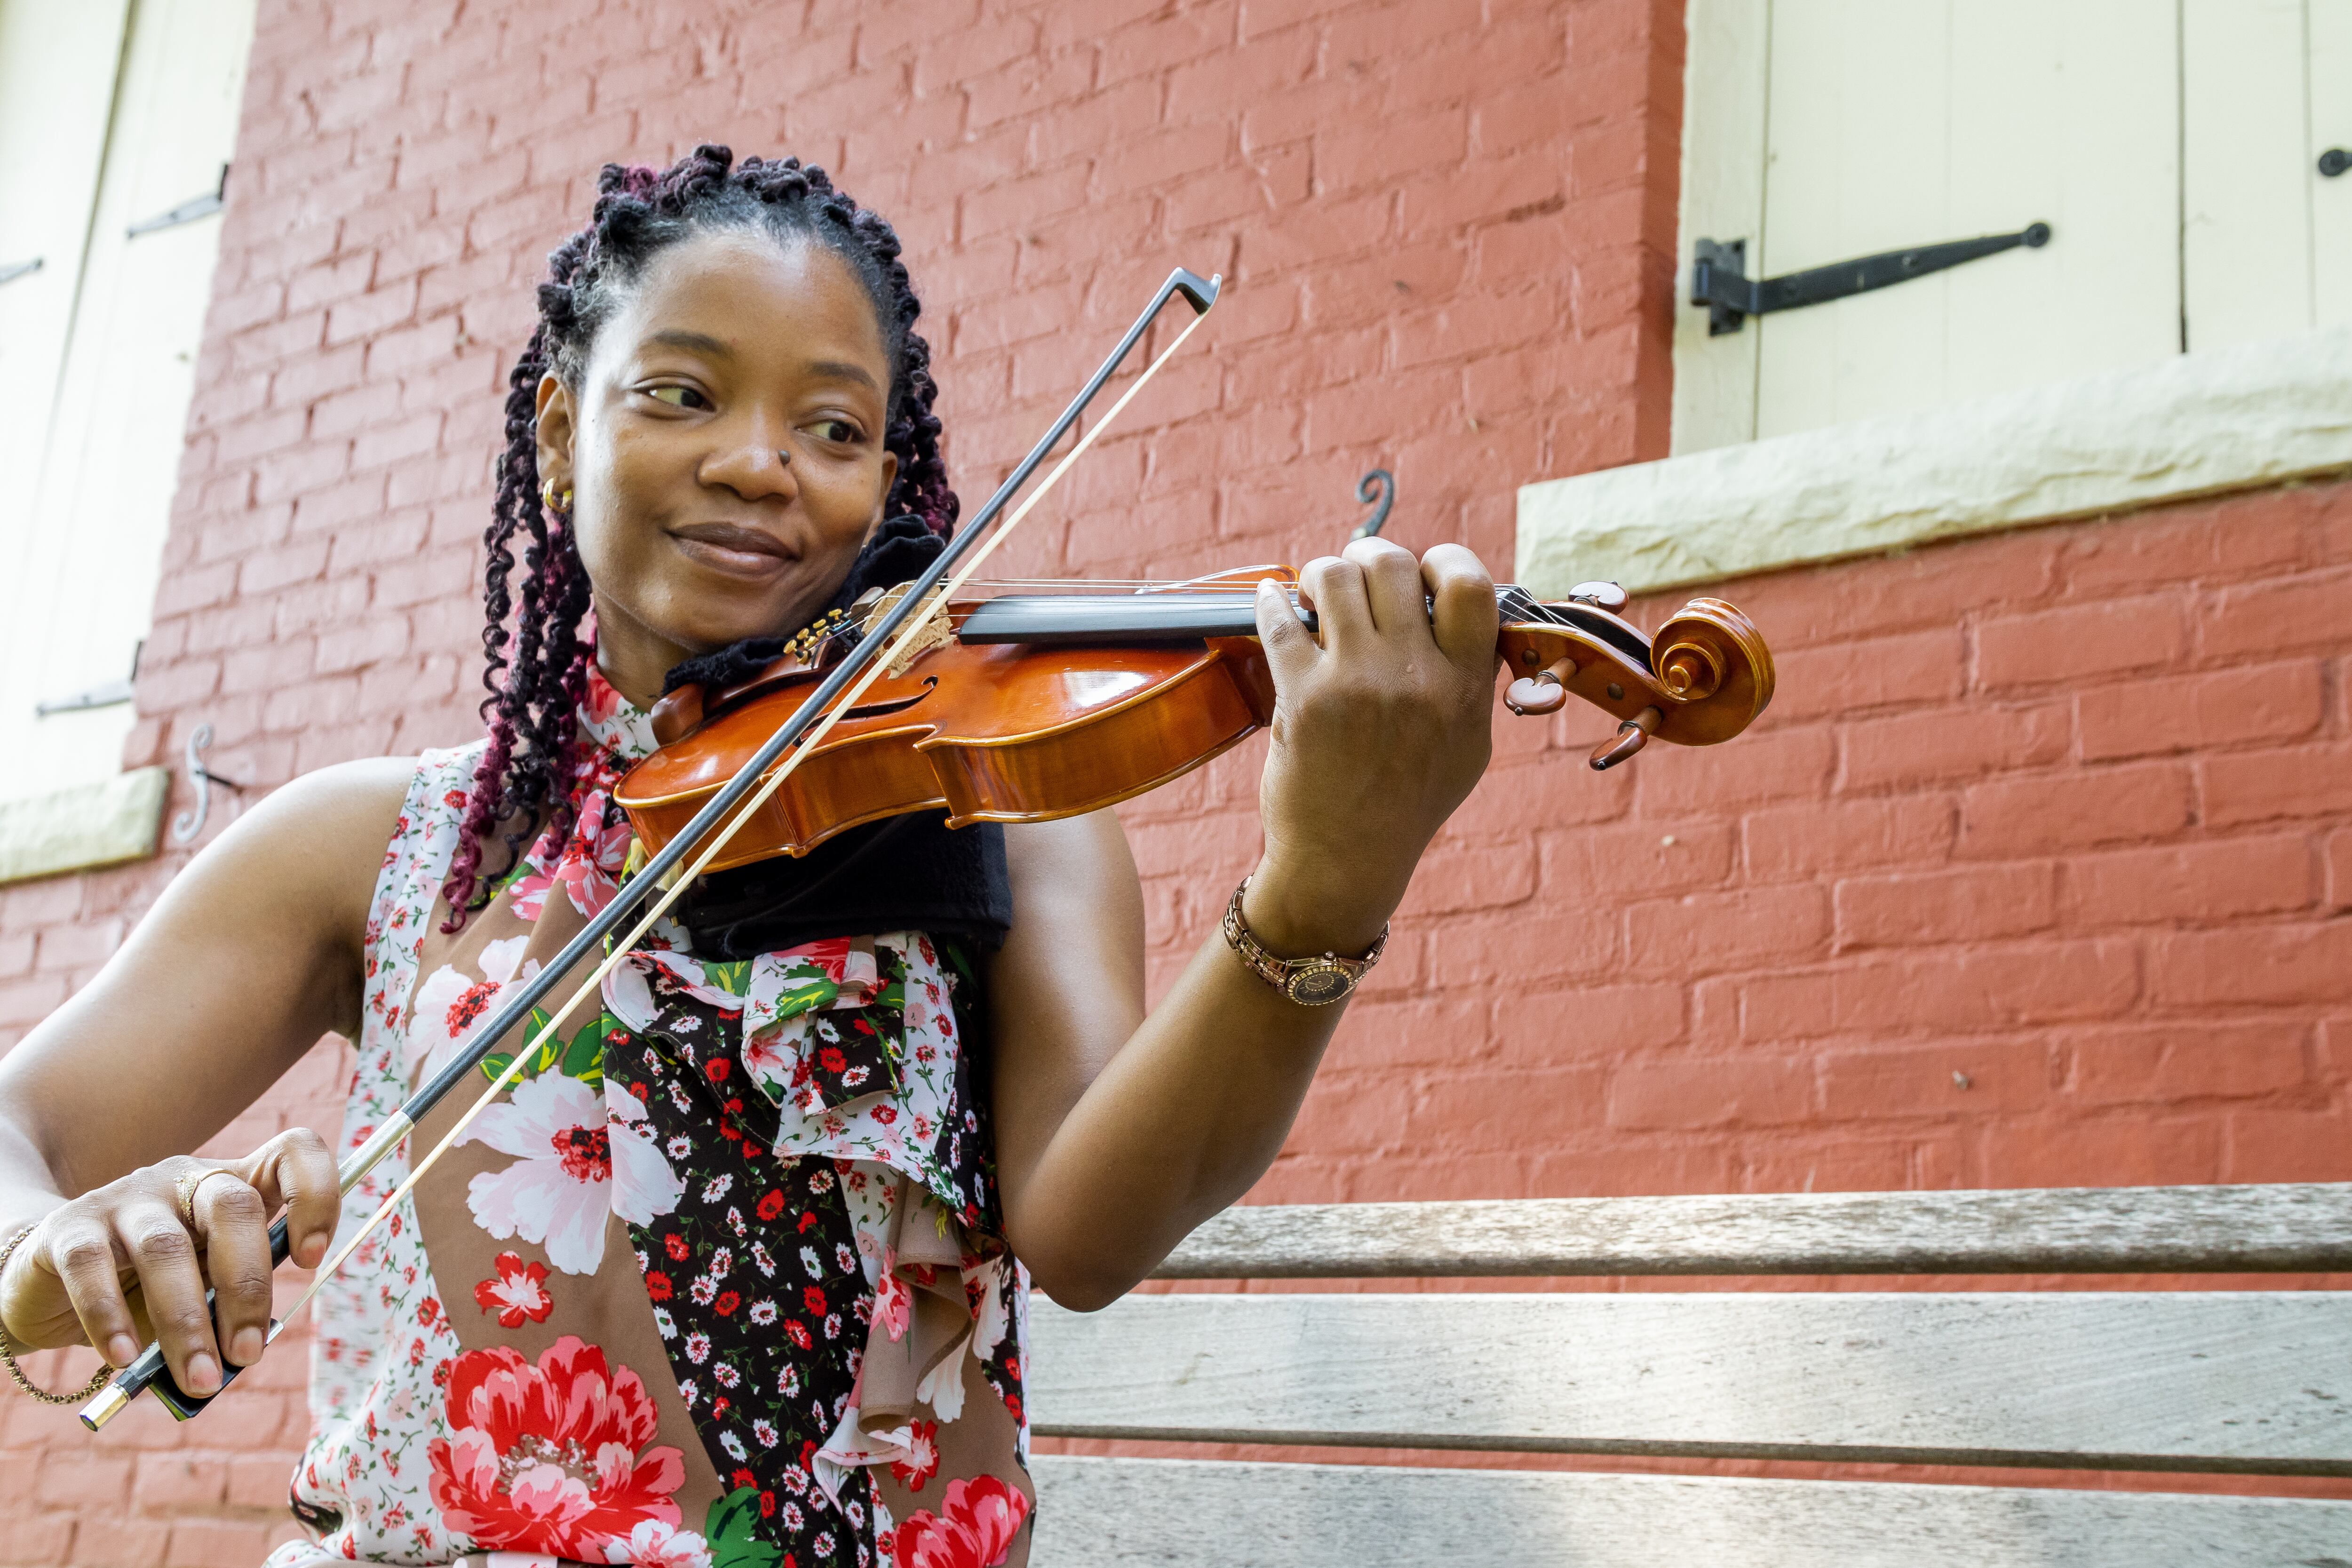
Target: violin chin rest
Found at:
x=678, y=715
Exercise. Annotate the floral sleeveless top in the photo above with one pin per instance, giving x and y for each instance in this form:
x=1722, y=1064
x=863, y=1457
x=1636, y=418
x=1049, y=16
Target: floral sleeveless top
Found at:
x=720, y=1282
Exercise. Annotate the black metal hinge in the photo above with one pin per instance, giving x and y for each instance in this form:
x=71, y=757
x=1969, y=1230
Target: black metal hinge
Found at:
x=1719, y=280
x=188, y=211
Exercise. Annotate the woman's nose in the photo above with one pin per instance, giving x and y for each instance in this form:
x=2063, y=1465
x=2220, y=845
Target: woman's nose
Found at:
x=753, y=466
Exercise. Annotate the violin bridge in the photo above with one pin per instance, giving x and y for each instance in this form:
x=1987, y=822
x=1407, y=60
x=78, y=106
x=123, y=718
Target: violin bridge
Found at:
x=936, y=631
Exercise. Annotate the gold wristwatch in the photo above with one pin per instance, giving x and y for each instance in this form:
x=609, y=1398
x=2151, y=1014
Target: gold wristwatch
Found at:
x=1310, y=982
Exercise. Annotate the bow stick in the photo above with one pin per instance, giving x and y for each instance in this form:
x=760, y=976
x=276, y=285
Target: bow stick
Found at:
x=808, y=725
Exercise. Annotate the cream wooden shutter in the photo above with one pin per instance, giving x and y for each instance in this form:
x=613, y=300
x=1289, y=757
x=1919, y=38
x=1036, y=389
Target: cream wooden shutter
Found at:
x=2173, y=146
x=2266, y=87
x=84, y=554
x=2329, y=72
x=57, y=67
x=1893, y=123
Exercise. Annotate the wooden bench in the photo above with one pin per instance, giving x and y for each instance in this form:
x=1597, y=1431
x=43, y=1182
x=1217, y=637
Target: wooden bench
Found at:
x=2178, y=1382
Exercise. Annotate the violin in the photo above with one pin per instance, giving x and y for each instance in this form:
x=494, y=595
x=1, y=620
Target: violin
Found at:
x=1028, y=707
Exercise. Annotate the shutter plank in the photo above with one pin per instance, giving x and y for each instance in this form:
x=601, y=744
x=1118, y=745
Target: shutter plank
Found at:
x=2329, y=74
x=1892, y=126
x=1175, y=1513
x=2249, y=1382
x=1722, y=199
x=2245, y=229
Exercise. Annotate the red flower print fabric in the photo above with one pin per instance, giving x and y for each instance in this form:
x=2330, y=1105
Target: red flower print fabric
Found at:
x=975, y=1529
x=762, y=1285
x=552, y=1456
x=779, y=1137
x=517, y=1293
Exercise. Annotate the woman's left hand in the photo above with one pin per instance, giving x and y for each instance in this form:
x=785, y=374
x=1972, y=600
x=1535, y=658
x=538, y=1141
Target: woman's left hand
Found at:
x=1379, y=733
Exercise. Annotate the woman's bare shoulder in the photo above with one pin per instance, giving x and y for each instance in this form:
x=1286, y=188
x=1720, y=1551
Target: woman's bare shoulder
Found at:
x=315, y=844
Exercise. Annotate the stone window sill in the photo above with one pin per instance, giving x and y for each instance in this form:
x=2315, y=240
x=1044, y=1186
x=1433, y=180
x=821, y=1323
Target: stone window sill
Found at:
x=2238, y=419
x=84, y=828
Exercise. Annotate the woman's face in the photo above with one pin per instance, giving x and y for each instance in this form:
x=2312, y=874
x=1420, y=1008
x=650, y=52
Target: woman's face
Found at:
x=724, y=449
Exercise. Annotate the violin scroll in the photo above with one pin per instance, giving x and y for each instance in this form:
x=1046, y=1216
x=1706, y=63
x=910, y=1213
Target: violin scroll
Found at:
x=1702, y=679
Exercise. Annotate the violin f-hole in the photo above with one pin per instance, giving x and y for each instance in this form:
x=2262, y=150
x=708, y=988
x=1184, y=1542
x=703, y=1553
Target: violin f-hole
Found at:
x=892, y=704
x=1546, y=692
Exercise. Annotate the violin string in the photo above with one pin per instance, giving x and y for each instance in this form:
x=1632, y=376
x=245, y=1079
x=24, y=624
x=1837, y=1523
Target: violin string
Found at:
x=618, y=953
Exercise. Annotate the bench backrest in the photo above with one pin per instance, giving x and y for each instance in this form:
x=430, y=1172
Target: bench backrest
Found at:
x=2174, y=1381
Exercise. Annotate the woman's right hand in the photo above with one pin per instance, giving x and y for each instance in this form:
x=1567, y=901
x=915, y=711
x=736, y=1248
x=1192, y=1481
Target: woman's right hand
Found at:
x=102, y=1269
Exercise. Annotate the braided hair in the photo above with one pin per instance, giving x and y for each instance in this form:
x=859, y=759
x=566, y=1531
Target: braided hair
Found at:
x=537, y=668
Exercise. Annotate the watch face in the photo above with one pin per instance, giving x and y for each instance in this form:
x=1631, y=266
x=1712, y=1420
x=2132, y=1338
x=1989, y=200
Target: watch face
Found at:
x=1317, y=983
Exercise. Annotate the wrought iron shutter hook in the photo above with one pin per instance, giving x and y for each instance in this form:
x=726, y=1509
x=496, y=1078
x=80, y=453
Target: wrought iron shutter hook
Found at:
x=1377, y=486
x=189, y=823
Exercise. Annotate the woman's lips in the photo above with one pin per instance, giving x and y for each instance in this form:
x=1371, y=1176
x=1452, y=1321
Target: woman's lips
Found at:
x=737, y=551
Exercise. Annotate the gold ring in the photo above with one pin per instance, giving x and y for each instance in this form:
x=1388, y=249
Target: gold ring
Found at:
x=188, y=1184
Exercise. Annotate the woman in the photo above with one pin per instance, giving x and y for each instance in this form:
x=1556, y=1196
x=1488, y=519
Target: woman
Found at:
x=729, y=1275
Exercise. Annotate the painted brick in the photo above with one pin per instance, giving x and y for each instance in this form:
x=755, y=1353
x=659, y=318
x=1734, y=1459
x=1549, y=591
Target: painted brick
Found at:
x=1707, y=933
x=1966, y=903
x=85, y=1479
x=1821, y=836
x=1849, y=678
x=107, y=1538
x=189, y=1482
x=2277, y=1145
x=2251, y=964
x=1730, y=1091
x=1599, y=1020
x=1778, y=764
x=1967, y=1078
x=2201, y=712
x=2122, y=1150
x=216, y=1544
x=2339, y=868
x=2081, y=640
x=1908, y=749
x=2200, y=883
x=2308, y=610
x=2074, y=810
x=2168, y=1064
x=2310, y=781
x=1636, y=860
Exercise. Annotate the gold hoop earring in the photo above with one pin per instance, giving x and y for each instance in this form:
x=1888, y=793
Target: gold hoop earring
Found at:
x=548, y=497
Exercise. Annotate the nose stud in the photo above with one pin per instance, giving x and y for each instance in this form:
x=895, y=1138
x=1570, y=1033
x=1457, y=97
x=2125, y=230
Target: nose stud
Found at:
x=784, y=456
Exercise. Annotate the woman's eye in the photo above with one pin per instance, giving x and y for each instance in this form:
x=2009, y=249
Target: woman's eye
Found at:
x=679, y=396
x=838, y=430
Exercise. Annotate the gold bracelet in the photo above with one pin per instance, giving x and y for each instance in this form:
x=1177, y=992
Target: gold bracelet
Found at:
x=98, y=1379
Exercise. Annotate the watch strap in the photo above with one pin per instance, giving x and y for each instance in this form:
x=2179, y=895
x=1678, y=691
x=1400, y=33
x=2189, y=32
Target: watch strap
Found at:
x=1315, y=981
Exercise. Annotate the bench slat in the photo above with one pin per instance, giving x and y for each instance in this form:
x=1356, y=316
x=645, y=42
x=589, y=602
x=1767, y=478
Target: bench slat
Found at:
x=1174, y=1513
x=2073, y=1230
x=2251, y=1382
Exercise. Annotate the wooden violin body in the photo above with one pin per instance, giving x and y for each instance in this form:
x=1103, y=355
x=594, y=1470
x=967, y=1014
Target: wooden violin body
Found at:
x=1048, y=706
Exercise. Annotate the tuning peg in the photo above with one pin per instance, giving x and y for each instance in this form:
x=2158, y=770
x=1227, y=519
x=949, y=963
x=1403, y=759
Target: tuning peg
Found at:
x=1545, y=691
x=1631, y=736
x=1599, y=595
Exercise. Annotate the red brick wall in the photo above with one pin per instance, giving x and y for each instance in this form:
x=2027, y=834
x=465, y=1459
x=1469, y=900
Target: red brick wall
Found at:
x=2031, y=875
x=2053, y=810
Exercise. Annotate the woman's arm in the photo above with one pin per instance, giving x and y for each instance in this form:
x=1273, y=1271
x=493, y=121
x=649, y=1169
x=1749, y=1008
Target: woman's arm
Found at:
x=252, y=954
x=1116, y=1133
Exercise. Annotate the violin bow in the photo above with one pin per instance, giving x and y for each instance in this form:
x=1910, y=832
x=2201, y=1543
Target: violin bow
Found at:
x=799, y=735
